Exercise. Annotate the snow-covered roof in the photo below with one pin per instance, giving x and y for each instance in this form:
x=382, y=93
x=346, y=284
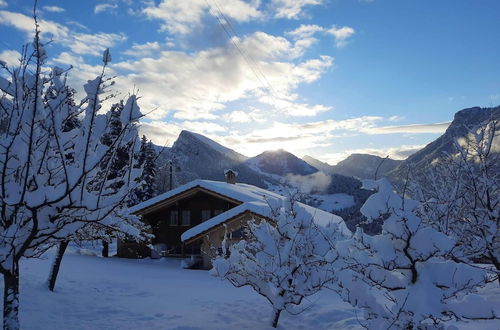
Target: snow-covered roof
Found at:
x=252, y=198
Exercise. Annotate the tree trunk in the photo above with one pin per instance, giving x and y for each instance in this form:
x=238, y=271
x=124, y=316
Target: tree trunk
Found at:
x=497, y=266
x=105, y=248
x=57, y=264
x=496, y=263
x=276, y=316
x=11, y=299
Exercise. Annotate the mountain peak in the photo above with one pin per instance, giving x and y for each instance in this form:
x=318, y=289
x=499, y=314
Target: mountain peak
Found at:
x=280, y=162
x=364, y=166
x=322, y=166
x=188, y=137
x=464, y=120
x=470, y=117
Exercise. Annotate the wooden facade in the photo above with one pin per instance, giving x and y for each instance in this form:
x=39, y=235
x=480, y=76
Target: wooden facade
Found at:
x=169, y=218
x=168, y=223
x=172, y=217
x=211, y=240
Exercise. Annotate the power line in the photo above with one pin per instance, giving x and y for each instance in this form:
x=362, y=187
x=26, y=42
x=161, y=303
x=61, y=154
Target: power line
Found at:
x=248, y=58
x=247, y=55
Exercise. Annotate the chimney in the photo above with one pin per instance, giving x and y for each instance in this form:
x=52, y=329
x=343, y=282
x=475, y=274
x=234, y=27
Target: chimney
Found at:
x=230, y=176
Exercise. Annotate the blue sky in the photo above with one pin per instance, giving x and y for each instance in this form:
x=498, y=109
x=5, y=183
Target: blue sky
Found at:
x=318, y=77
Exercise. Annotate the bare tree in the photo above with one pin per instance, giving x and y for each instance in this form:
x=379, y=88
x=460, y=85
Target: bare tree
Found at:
x=46, y=164
x=460, y=195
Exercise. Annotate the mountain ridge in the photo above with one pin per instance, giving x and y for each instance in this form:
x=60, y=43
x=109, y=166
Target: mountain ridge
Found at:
x=280, y=162
x=465, y=119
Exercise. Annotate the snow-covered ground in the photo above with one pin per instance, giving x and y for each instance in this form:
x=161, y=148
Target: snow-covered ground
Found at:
x=334, y=201
x=113, y=293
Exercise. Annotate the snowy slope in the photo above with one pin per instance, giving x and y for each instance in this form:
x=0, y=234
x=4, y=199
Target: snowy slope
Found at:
x=280, y=162
x=335, y=201
x=186, y=136
x=112, y=293
x=364, y=166
x=322, y=166
x=197, y=157
x=98, y=293
x=422, y=159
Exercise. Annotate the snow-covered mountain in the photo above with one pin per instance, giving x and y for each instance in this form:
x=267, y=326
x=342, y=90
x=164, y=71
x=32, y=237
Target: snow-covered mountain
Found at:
x=322, y=166
x=364, y=166
x=280, y=162
x=464, y=119
x=361, y=166
x=191, y=141
x=195, y=156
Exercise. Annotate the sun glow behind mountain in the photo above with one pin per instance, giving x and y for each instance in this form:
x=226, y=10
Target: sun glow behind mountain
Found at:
x=323, y=78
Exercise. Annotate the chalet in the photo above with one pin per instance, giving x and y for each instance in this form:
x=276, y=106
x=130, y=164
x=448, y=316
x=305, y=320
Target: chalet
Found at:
x=193, y=219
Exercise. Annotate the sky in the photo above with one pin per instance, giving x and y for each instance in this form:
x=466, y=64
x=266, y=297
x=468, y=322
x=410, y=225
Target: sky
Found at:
x=324, y=78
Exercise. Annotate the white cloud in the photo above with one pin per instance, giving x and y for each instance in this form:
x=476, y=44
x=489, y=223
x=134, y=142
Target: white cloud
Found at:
x=316, y=182
x=143, y=50
x=161, y=133
x=196, y=85
x=409, y=129
x=297, y=137
x=103, y=7
x=53, y=9
x=181, y=16
x=80, y=43
x=305, y=31
x=80, y=72
x=238, y=116
x=401, y=152
x=3, y=3
x=265, y=46
x=94, y=44
x=11, y=57
x=341, y=34
x=165, y=134
x=302, y=137
x=292, y=108
x=202, y=126
x=292, y=9
x=395, y=118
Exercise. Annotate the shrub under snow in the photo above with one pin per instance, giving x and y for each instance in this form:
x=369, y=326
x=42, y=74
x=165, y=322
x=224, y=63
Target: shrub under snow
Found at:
x=402, y=278
x=284, y=260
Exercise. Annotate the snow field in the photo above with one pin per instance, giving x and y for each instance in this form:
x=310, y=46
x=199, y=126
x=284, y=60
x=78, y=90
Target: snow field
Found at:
x=113, y=293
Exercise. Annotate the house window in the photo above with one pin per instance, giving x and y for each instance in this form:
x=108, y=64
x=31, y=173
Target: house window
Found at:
x=186, y=217
x=238, y=234
x=205, y=215
x=217, y=212
x=174, y=218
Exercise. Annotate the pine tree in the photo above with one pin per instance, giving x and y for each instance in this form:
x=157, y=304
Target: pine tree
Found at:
x=114, y=124
x=146, y=187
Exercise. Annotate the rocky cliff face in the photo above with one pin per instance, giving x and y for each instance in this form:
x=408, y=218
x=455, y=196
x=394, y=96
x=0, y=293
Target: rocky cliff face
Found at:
x=464, y=120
